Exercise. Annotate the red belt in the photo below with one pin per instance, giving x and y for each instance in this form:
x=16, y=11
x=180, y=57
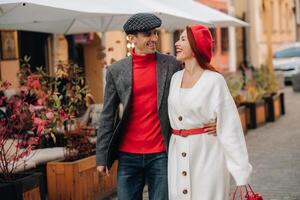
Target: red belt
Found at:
x=184, y=132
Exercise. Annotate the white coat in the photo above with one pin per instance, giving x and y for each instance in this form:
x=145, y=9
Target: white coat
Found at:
x=199, y=165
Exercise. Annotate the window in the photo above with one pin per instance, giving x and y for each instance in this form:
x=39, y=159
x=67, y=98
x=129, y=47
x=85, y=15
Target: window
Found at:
x=280, y=16
x=286, y=17
x=298, y=11
x=213, y=34
x=273, y=13
x=224, y=40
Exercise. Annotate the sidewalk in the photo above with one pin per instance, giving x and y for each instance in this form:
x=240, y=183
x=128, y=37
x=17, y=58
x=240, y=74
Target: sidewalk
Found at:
x=274, y=152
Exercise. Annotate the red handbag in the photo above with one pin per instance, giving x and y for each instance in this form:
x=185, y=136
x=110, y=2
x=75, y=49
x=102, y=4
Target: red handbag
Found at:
x=250, y=194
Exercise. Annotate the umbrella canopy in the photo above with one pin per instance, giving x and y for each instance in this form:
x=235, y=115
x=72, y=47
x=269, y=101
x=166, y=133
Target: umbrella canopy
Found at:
x=200, y=11
x=77, y=16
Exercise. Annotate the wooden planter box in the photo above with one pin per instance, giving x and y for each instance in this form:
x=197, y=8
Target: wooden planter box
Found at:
x=79, y=180
x=243, y=117
x=273, y=107
x=256, y=114
x=29, y=187
x=282, y=102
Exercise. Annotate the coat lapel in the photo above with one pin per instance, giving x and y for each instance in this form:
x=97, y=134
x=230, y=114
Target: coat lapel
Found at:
x=161, y=76
x=127, y=80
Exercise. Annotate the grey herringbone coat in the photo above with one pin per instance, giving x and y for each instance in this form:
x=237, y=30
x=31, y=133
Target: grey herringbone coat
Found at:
x=118, y=90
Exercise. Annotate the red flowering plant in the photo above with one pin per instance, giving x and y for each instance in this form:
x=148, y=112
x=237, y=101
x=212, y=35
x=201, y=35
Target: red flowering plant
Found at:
x=64, y=95
x=41, y=89
x=21, y=126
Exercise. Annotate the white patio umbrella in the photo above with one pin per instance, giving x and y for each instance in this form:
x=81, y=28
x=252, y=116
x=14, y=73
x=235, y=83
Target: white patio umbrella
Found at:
x=200, y=11
x=77, y=16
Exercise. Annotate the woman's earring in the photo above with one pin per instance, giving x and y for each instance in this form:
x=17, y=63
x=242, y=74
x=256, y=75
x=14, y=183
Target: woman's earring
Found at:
x=193, y=54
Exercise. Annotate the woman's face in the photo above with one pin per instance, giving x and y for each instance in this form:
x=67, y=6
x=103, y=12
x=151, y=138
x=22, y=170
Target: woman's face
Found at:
x=183, y=48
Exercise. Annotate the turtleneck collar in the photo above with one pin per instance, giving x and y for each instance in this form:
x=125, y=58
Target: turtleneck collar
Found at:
x=138, y=59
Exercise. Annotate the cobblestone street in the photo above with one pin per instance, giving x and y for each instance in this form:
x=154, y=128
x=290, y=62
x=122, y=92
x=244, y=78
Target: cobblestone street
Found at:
x=274, y=151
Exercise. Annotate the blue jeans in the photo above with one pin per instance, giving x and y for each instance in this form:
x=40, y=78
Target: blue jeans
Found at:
x=135, y=170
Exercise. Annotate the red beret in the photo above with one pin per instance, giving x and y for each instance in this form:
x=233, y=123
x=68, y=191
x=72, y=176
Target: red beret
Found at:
x=203, y=42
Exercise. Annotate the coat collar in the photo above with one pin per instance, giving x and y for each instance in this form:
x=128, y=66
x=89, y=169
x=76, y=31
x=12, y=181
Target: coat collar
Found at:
x=161, y=76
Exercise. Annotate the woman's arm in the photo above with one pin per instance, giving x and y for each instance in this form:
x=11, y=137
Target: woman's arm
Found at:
x=231, y=136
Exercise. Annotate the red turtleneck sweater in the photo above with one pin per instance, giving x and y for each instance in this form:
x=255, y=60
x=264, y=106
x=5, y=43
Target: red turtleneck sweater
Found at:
x=142, y=133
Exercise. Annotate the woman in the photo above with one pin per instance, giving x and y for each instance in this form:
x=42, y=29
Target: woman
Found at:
x=199, y=163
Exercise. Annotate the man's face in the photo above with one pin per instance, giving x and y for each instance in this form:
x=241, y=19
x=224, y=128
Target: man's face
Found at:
x=145, y=42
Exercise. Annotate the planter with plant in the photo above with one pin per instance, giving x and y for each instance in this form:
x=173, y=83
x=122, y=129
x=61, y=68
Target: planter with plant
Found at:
x=235, y=84
x=79, y=168
x=21, y=126
x=66, y=96
x=282, y=102
x=266, y=80
x=255, y=106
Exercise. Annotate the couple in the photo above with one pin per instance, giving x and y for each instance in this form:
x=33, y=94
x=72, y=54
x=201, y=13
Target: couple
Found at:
x=169, y=109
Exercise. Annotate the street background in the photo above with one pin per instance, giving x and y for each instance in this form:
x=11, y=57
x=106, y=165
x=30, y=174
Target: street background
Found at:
x=274, y=152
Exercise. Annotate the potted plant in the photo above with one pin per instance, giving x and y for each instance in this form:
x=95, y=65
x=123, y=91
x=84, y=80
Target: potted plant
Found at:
x=79, y=164
x=235, y=84
x=21, y=126
x=255, y=106
x=78, y=167
x=38, y=91
x=266, y=80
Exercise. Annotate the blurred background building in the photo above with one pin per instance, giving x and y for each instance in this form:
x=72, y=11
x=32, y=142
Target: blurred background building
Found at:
x=233, y=46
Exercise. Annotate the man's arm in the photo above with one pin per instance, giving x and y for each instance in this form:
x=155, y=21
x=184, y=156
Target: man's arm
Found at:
x=211, y=128
x=107, y=120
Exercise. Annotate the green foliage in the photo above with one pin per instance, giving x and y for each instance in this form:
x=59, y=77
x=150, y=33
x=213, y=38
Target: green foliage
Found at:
x=266, y=80
x=252, y=93
x=74, y=90
x=263, y=82
x=235, y=83
x=65, y=91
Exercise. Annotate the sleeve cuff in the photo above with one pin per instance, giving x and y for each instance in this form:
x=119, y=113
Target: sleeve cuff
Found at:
x=242, y=177
x=101, y=160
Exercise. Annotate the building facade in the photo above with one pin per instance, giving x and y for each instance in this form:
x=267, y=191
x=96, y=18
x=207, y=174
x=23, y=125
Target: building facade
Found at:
x=221, y=37
x=88, y=49
x=276, y=16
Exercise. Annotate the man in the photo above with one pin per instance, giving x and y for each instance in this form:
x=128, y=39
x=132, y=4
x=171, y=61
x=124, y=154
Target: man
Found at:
x=139, y=139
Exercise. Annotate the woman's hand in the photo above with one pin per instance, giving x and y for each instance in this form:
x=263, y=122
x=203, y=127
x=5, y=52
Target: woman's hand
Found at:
x=241, y=187
x=239, y=192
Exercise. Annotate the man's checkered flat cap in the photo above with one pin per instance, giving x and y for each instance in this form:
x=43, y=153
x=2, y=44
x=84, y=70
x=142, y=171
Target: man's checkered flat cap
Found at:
x=141, y=22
